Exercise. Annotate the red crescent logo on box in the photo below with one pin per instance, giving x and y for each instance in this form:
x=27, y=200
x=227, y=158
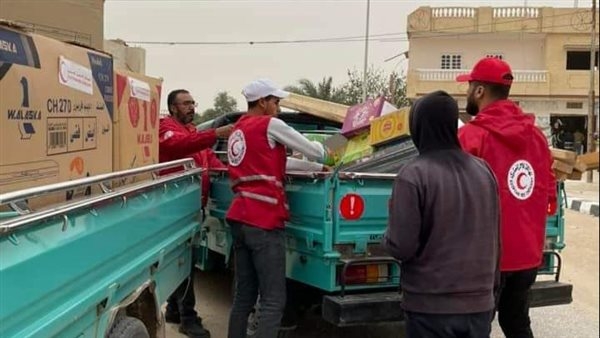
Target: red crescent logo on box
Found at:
x=134, y=111
x=521, y=179
x=63, y=72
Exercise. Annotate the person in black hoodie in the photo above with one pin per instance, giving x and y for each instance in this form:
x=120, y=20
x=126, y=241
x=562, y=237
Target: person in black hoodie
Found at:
x=444, y=228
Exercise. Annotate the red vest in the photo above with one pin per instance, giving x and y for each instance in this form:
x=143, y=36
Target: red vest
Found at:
x=257, y=174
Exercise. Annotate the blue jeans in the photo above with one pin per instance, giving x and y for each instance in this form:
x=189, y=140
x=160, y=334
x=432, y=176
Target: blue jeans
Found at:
x=259, y=267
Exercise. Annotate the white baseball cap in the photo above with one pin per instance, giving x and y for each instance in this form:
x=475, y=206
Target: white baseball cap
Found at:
x=260, y=88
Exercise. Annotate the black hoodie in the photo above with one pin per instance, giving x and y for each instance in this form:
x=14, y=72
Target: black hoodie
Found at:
x=444, y=218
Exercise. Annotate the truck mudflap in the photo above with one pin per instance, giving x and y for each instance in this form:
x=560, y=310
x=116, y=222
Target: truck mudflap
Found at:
x=551, y=292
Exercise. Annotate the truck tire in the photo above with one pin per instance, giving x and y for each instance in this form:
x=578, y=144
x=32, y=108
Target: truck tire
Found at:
x=128, y=327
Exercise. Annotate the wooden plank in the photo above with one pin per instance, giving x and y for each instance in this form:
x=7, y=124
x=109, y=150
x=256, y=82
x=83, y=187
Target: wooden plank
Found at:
x=325, y=109
x=564, y=155
x=590, y=160
x=562, y=167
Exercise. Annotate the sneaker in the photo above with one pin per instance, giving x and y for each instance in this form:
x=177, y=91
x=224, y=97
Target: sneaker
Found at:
x=194, y=329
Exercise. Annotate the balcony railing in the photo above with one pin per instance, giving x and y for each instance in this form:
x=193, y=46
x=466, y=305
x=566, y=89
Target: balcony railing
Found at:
x=451, y=74
x=454, y=12
x=516, y=12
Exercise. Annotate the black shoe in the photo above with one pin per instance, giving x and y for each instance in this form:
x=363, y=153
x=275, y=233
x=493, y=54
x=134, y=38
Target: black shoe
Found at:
x=194, y=329
x=172, y=317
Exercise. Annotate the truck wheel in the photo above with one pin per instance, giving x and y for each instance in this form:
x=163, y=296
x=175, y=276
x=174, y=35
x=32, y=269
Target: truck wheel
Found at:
x=128, y=327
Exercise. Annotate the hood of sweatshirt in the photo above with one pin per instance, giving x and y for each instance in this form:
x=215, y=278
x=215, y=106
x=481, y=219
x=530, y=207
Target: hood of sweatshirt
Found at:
x=507, y=122
x=433, y=123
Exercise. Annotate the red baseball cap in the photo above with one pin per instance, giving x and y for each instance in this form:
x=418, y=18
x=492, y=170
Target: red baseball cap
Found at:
x=489, y=70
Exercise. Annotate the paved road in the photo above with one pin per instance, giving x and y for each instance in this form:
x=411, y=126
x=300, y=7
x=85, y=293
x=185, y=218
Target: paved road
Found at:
x=576, y=320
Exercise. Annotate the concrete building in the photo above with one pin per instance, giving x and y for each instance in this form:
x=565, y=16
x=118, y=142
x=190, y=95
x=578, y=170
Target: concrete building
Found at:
x=547, y=48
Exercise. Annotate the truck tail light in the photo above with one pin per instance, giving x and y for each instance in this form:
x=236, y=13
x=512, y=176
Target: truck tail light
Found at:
x=366, y=273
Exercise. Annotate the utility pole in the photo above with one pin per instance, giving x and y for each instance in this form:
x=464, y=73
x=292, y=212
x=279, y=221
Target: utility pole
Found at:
x=591, y=121
x=364, y=89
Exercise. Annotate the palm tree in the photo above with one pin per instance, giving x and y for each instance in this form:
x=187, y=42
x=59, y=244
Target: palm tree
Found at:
x=323, y=90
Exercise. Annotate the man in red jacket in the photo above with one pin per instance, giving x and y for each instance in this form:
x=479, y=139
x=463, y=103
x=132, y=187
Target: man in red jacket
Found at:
x=178, y=138
x=518, y=153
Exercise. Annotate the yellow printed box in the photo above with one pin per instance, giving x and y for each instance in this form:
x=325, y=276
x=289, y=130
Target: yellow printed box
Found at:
x=389, y=127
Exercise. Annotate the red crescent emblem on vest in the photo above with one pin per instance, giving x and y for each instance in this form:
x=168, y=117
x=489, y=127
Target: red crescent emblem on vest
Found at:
x=520, y=181
x=233, y=152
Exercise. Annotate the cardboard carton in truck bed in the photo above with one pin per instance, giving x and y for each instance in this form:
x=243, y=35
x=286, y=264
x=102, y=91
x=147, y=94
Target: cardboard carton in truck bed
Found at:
x=137, y=101
x=56, y=111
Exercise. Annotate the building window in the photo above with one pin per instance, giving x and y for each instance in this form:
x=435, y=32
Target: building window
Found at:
x=451, y=61
x=574, y=105
x=580, y=60
x=495, y=55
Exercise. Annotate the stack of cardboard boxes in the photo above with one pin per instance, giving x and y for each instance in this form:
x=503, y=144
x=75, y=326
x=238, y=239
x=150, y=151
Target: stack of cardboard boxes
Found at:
x=75, y=21
x=368, y=126
x=67, y=113
x=569, y=165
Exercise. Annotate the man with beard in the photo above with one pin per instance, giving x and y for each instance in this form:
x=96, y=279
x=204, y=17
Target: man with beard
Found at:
x=444, y=228
x=518, y=153
x=178, y=138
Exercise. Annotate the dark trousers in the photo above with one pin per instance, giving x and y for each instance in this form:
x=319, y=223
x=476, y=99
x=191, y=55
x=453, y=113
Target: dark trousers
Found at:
x=183, y=300
x=259, y=267
x=513, y=303
x=471, y=325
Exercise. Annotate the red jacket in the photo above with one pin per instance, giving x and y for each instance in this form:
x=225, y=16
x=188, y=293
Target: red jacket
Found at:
x=518, y=153
x=257, y=174
x=177, y=141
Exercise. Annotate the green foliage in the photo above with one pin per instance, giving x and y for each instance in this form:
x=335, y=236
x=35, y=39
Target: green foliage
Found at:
x=350, y=93
x=223, y=104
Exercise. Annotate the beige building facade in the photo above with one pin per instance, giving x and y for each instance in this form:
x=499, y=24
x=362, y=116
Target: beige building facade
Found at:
x=547, y=48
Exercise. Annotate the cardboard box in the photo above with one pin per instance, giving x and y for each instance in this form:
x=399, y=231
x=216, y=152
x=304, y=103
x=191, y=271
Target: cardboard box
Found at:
x=357, y=148
x=589, y=160
x=390, y=127
x=575, y=175
x=56, y=112
x=77, y=21
x=563, y=155
x=562, y=167
x=135, y=121
x=359, y=117
x=132, y=59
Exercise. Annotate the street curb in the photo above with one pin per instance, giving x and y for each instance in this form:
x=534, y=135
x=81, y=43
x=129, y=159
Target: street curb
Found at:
x=584, y=206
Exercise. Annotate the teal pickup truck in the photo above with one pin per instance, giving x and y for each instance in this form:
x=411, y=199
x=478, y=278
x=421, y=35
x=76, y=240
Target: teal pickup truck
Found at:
x=100, y=266
x=334, y=254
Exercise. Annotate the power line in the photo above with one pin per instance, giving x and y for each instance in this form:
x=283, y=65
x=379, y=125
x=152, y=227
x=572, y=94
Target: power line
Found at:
x=390, y=36
x=362, y=39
